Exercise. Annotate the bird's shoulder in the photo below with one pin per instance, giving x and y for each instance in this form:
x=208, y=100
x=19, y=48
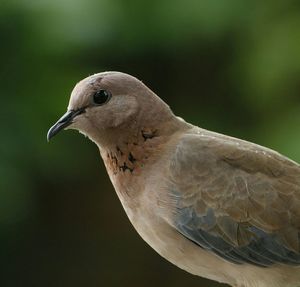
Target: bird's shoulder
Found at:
x=200, y=146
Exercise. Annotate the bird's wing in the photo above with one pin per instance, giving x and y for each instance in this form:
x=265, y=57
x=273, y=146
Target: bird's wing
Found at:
x=237, y=199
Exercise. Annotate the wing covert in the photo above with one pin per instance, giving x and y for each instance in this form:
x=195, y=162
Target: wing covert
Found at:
x=238, y=199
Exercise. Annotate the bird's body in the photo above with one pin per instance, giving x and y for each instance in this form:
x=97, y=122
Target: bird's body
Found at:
x=149, y=202
x=215, y=206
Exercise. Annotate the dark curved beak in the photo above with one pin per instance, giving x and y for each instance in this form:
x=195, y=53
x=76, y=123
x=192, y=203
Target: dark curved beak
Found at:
x=63, y=122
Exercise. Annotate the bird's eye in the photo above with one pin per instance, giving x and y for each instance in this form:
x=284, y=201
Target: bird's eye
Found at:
x=101, y=97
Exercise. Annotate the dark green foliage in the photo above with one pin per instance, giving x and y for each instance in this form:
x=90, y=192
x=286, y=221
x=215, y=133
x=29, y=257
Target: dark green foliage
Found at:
x=231, y=66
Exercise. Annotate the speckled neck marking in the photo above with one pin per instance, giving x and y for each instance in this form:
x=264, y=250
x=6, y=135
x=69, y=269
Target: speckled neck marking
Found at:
x=132, y=156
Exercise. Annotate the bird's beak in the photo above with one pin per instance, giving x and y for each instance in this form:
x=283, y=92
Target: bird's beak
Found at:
x=63, y=122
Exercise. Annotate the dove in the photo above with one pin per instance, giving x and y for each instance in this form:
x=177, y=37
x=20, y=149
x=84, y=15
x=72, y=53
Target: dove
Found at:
x=214, y=205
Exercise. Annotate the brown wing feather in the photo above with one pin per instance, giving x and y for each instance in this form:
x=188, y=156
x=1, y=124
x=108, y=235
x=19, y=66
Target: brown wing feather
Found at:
x=245, y=185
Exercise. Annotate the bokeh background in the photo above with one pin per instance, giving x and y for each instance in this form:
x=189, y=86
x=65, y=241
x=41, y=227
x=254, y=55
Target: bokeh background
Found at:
x=227, y=65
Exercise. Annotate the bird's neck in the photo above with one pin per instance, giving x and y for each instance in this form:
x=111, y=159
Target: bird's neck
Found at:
x=127, y=158
x=130, y=153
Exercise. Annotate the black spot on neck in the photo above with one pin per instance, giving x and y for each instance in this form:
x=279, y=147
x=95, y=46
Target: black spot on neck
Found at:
x=124, y=167
x=131, y=158
x=148, y=134
x=119, y=150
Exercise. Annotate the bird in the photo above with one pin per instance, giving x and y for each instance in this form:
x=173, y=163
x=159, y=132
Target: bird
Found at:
x=215, y=206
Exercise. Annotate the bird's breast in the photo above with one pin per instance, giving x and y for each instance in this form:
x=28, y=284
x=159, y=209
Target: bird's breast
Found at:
x=146, y=207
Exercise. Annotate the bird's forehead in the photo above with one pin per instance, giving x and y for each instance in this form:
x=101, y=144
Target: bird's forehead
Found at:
x=80, y=95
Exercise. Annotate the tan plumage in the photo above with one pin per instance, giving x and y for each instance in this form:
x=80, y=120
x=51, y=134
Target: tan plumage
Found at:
x=215, y=206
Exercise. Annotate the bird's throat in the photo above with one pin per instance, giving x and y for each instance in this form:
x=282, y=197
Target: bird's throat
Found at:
x=132, y=156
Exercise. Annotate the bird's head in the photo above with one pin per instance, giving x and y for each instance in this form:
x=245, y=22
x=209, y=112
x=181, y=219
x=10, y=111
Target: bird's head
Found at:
x=105, y=105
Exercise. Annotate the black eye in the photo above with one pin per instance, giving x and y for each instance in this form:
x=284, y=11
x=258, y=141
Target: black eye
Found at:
x=101, y=97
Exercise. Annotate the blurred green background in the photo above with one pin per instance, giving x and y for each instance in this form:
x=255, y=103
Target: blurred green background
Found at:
x=227, y=65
